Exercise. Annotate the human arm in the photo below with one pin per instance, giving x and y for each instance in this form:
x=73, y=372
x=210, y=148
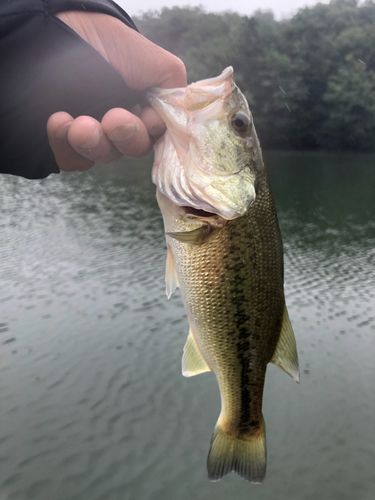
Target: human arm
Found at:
x=46, y=67
x=83, y=141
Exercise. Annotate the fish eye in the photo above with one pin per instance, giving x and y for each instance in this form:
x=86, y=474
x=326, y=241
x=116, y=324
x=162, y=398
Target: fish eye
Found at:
x=240, y=122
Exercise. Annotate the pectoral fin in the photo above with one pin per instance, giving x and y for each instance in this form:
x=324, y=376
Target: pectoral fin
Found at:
x=195, y=237
x=171, y=281
x=285, y=355
x=192, y=361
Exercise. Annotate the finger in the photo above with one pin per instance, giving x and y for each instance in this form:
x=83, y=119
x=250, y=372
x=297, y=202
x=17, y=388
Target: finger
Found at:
x=87, y=137
x=153, y=123
x=127, y=132
x=144, y=64
x=136, y=110
x=66, y=157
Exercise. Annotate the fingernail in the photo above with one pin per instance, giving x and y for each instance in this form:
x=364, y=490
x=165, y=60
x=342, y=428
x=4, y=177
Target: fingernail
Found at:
x=93, y=140
x=123, y=133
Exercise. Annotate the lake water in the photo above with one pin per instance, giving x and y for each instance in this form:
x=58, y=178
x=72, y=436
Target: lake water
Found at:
x=93, y=403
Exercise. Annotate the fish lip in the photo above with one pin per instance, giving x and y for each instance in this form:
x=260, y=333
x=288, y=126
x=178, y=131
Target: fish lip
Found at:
x=153, y=93
x=225, y=74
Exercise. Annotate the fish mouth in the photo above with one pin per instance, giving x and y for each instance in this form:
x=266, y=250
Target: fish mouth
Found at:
x=196, y=212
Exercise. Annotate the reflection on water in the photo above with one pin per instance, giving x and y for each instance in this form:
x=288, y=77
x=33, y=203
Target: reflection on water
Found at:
x=93, y=404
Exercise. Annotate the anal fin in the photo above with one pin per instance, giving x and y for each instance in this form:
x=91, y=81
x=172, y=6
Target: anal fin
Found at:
x=285, y=355
x=192, y=360
x=171, y=281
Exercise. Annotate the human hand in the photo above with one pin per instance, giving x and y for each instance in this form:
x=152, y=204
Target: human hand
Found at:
x=79, y=143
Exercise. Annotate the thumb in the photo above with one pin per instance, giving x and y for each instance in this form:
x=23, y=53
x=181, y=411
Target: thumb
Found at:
x=140, y=62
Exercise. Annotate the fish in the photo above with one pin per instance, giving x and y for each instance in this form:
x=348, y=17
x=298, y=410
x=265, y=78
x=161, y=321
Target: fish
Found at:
x=225, y=253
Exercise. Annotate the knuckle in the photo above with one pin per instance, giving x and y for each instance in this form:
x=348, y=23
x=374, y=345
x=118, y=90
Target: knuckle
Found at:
x=174, y=71
x=178, y=70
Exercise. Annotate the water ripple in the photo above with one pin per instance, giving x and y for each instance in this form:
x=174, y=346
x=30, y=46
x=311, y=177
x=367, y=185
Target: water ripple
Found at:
x=93, y=402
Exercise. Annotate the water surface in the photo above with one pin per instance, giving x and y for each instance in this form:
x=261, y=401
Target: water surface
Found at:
x=93, y=403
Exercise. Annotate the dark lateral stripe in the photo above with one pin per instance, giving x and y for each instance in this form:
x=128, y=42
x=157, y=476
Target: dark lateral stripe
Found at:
x=245, y=344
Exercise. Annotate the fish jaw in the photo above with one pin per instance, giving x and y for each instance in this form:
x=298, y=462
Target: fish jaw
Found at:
x=180, y=220
x=201, y=161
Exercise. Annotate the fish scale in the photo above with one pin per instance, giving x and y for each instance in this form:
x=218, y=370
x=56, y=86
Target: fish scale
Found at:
x=225, y=253
x=246, y=275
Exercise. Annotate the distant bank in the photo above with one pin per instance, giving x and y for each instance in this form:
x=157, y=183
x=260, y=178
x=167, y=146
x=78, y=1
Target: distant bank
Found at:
x=310, y=80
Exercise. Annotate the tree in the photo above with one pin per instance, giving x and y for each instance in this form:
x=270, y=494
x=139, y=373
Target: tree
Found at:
x=309, y=80
x=350, y=97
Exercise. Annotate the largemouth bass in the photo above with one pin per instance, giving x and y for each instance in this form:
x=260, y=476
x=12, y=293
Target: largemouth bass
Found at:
x=224, y=251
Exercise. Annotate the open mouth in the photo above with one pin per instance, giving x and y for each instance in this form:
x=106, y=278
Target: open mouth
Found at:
x=198, y=213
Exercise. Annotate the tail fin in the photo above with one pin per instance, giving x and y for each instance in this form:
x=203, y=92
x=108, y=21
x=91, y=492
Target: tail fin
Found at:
x=246, y=454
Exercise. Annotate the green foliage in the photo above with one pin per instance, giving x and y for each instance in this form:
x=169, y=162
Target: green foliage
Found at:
x=310, y=80
x=351, y=96
x=203, y=41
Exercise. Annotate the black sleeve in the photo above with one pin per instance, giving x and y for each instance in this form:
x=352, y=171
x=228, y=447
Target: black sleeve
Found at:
x=46, y=67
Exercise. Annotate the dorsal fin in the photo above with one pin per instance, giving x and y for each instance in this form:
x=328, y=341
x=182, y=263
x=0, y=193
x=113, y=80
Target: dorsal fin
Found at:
x=192, y=361
x=285, y=355
x=171, y=281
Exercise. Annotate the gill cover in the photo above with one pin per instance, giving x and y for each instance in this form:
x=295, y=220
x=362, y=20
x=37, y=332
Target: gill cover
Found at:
x=207, y=158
